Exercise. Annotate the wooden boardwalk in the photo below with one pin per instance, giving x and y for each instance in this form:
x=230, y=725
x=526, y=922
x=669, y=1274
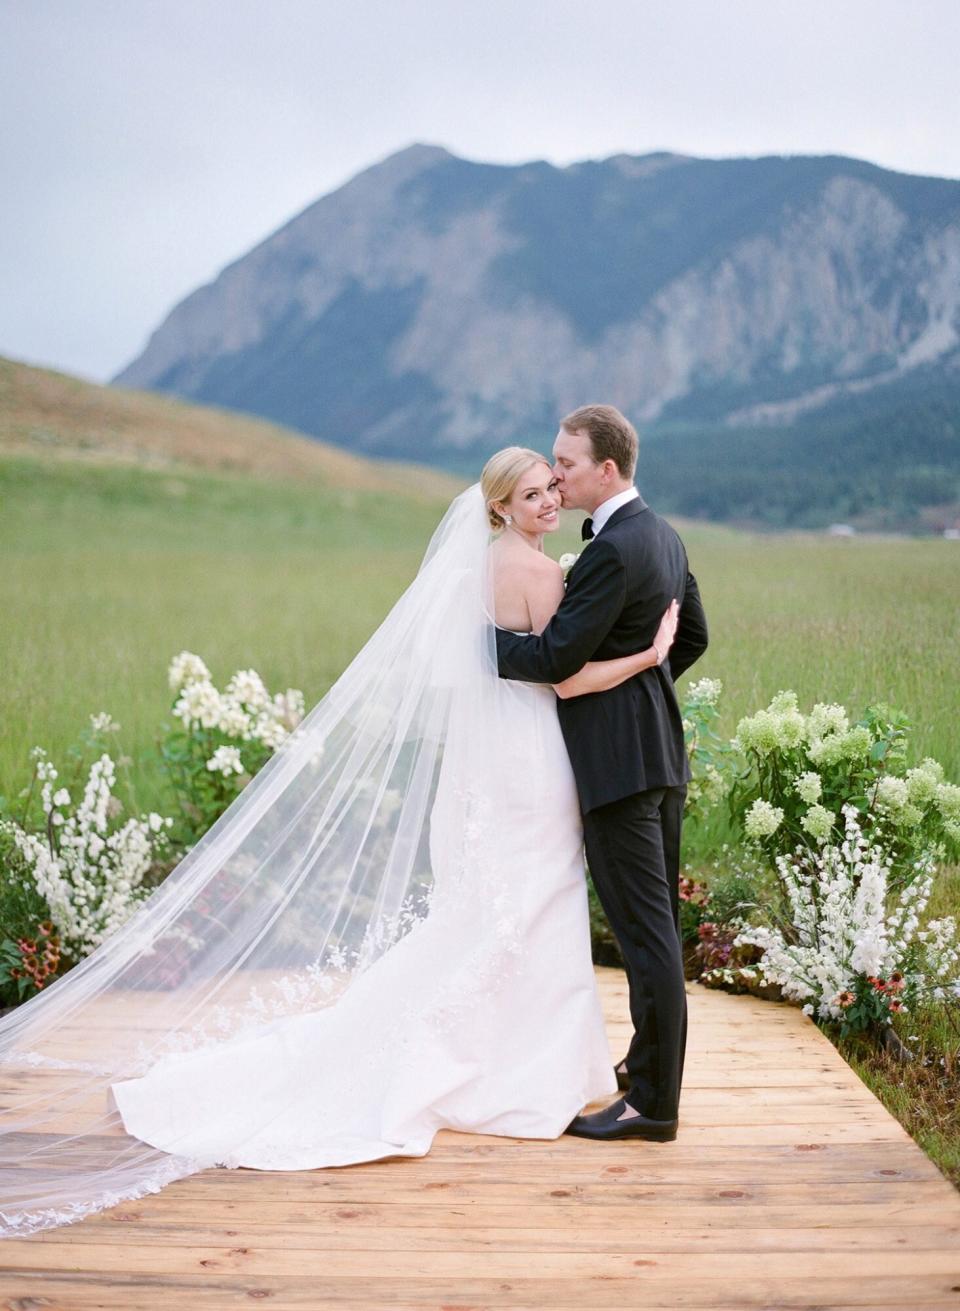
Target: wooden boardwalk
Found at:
x=789, y=1186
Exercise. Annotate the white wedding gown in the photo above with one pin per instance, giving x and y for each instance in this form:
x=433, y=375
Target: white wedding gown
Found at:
x=437, y=1033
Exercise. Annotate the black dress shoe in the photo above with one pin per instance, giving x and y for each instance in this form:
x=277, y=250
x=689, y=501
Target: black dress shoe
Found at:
x=605, y=1125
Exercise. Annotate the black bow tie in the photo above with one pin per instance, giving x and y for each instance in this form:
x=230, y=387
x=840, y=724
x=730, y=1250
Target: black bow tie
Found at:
x=586, y=530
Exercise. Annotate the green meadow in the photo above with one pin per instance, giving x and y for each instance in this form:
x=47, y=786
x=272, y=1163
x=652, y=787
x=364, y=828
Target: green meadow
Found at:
x=109, y=570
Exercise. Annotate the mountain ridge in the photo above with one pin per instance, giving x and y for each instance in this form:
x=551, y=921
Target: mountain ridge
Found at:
x=435, y=308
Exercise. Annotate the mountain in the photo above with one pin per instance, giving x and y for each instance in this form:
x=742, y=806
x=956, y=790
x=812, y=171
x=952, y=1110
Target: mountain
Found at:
x=772, y=324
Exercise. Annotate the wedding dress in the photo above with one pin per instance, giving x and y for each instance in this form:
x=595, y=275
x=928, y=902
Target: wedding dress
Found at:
x=385, y=935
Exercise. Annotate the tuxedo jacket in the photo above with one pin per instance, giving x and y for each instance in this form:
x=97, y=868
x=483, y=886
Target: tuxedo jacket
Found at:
x=629, y=738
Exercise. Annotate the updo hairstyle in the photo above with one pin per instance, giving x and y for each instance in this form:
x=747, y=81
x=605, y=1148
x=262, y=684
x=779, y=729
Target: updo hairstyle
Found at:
x=500, y=476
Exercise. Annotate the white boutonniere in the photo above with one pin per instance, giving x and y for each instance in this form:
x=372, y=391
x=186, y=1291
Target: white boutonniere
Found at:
x=570, y=558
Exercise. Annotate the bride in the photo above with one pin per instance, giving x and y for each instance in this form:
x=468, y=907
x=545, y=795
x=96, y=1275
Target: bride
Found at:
x=386, y=933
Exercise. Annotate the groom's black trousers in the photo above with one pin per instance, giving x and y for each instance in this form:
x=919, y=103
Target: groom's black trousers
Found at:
x=633, y=851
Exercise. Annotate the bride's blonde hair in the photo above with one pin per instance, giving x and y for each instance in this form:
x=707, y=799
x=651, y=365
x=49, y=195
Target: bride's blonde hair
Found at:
x=500, y=476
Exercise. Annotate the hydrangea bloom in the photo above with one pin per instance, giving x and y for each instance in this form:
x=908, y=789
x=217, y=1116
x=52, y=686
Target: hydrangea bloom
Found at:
x=818, y=822
x=809, y=786
x=762, y=819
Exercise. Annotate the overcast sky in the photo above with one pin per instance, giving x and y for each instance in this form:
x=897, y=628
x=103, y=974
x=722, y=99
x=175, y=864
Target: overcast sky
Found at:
x=147, y=143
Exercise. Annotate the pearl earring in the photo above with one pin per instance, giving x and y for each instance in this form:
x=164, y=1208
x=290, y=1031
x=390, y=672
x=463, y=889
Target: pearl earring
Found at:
x=508, y=519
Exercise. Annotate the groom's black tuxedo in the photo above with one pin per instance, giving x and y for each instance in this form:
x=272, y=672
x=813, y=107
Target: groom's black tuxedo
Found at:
x=627, y=751
x=629, y=738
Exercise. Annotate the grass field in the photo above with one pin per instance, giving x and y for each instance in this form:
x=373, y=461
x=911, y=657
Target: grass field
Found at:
x=111, y=570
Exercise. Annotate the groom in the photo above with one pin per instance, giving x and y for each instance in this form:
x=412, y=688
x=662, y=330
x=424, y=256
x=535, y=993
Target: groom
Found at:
x=626, y=746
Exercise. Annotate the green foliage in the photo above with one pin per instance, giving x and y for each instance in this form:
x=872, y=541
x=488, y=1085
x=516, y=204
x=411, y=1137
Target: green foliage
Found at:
x=22, y=911
x=802, y=770
x=734, y=893
x=201, y=794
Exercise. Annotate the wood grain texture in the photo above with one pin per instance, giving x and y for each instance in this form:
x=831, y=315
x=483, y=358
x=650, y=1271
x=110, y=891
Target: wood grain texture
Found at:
x=788, y=1186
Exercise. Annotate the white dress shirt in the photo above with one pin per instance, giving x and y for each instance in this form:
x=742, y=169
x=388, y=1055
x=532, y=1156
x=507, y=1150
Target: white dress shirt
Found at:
x=608, y=507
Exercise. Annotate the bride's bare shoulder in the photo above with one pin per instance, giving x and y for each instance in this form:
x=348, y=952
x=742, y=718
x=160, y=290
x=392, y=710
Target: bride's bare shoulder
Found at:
x=520, y=561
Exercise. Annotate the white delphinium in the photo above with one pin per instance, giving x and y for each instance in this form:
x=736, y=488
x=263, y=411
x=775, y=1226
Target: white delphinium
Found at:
x=941, y=948
x=839, y=922
x=89, y=876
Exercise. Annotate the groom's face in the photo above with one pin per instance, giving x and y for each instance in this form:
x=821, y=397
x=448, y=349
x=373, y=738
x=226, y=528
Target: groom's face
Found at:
x=580, y=478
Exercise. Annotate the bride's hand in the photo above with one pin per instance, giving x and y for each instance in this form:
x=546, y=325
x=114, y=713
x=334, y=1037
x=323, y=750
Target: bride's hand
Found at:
x=667, y=631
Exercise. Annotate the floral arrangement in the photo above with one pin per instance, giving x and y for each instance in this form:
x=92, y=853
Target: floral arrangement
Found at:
x=73, y=873
x=87, y=868
x=223, y=738
x=843, y=950
x=802, y=770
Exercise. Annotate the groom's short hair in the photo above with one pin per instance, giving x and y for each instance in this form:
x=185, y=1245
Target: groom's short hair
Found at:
x=612, y=435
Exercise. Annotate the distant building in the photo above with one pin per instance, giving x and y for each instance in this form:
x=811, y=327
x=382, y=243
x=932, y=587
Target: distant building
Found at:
x=841, y=530
x=952, y=534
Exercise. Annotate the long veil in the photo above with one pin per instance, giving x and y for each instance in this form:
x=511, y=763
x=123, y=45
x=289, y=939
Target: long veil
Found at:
x=364, y=825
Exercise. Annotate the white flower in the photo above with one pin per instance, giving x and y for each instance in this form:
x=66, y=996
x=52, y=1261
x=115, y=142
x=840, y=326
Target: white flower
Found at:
x=61, y=797
x=762, y=819
x=89, y=876
x=818, y=822
x=706, y=690
x=186, y=668
x=104, y=723
x=246, y=687
x=199, y=703
x=824, y=719
x=226, y=760
x=947, y=798
x=841, y=929
x=234, y=720
x=809, y=786
x=568, y=560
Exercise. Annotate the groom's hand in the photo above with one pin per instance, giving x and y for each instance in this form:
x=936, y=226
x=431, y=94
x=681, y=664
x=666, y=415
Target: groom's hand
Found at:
x=691, y=639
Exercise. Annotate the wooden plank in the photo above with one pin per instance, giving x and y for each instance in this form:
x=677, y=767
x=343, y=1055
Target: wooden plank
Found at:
x=625, y=1234
x=70, y=1292
x=789, y=1185
x=722, y=1214
x=743, y=1266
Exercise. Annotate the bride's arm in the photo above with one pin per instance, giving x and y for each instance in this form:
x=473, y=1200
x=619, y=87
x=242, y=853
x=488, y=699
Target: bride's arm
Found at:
x=599, y=675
